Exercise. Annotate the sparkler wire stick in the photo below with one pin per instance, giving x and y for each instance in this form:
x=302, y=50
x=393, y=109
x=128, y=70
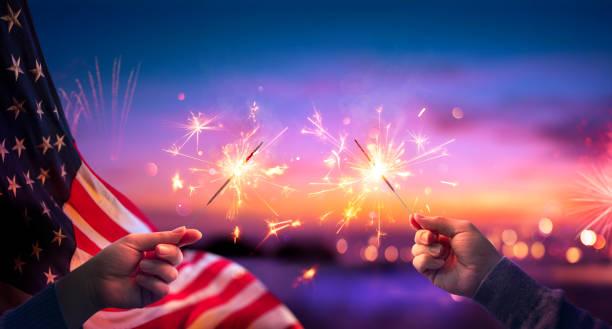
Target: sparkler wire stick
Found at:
x=371, y=161
x=229, y=179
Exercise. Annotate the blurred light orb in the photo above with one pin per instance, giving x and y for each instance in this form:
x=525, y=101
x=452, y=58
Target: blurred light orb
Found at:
x=600, y=243
x=508, y=251
x=373, y=240
x=391, y=254
x=538, y=250
x=183, y=208
x=588, y=237
x=212, y=171
x=346, y=121
x=520, y=250
x=545, y=225
x=427, y=190
x=457, y=113
x=341, y=246
x=151, y=169
x=181, y=97
x=573, y=255
x=406, y=254
x=370, y=253
x=260, y=88
x=509, y=237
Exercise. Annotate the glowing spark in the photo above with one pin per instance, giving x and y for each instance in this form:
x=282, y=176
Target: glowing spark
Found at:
x=306, y=277
x=453, y=184
x=275, y=227
x=421, y=112
x=325, y=215
x=236, y=233
x=419, y=140
x=275, y=171
x=196, y=124
x=177, y=183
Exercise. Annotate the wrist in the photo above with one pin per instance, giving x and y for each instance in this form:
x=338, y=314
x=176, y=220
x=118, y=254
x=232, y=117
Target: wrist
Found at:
x=77, y=298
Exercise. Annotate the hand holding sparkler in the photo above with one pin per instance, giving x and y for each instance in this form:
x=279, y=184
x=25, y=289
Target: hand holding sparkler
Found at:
x=457, y=258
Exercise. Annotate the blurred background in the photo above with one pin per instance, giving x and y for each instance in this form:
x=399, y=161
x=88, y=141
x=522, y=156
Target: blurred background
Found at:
x=523, y=89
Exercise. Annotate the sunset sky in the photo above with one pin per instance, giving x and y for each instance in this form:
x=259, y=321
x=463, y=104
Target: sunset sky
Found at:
x=534, y=82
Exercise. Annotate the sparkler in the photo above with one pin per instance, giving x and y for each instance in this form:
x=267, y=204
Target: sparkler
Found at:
x=594, y=199
x=386, y=160
x=371, y=161
x=238, y=170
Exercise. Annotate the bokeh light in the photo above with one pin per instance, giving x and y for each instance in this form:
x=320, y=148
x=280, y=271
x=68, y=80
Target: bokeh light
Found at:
x=600, y=243
x=341, y=246
x=391, y=254
x=588, y=237
x=509, y=237
x=457, y=113
x=151, y=169
x=520, y=250
x=183, y=207
x=573, y=255
x=406, y=254
x=370, y=253
x=538, y=250
x=545, y=225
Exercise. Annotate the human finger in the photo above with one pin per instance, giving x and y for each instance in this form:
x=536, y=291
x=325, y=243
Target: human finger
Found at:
x=425, y=262
x=169, y=253
x=161, y=269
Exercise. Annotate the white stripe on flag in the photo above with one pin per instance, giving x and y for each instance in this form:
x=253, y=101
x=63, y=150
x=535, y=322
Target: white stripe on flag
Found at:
x=191, y=271
x=135, y=317
x=278, y=317
x=79, y=257
x=214, y=316
x=109, y=203
x=79, y=222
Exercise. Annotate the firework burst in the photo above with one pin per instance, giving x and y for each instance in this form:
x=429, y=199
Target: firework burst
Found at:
x=362, y=173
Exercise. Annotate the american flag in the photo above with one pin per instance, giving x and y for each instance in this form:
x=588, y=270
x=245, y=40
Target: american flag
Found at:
x=55, y=212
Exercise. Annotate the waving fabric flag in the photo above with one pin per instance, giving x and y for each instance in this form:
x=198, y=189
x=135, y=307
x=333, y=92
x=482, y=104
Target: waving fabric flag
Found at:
x=56, y=213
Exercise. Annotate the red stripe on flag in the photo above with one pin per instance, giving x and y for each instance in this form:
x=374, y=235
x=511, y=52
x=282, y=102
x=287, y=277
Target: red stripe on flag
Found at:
x=83, y=242
x=183, y=317
x=82, y=202
x=295, y=326
x=200, y=282
x=192, y=261
x=244, y=317
x=127, y=203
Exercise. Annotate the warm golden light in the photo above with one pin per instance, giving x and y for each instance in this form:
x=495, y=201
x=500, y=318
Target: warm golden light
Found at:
x=588, y=237
x=306, y=277
x=370, y=253
x=545, y=225
x=520, y=250
x=600, y=243
x=509, y=237
x=537, y=250
x=236, y=233
x=177, y=183
x=573, y=255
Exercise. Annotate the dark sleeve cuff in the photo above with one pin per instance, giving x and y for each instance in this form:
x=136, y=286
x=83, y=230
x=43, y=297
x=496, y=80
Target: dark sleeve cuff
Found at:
x=517, y=300
x=40, y=311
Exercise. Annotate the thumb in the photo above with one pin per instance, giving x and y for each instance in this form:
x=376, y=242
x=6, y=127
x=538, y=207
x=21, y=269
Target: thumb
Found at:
x=148, y=241
x=442, y=225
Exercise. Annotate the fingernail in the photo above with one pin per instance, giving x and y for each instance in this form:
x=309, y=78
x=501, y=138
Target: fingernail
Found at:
x=178, y=229
x=163, y=250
